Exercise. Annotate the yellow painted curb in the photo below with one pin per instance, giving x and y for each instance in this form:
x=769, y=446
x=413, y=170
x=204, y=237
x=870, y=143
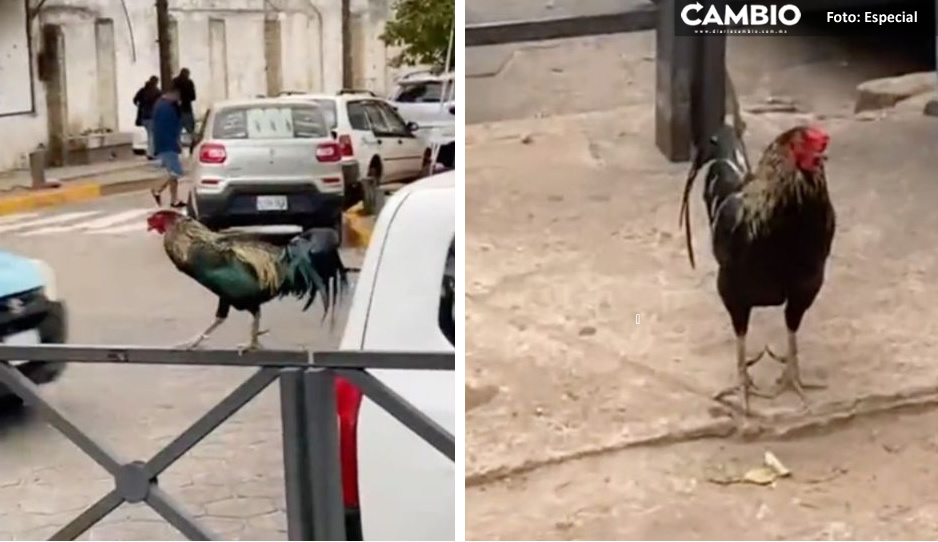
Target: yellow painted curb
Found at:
x=358, y=227
x=48, y=197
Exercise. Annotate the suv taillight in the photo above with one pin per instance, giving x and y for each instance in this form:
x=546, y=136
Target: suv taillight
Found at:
x=328, y=152
x=213, y=153
x=348, y=401
x=345, y=144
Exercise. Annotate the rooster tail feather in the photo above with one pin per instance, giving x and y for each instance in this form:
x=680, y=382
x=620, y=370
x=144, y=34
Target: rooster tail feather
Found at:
x=312, y=266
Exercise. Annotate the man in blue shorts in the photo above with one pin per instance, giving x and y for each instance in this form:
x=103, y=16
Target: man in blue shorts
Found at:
x=167, y=127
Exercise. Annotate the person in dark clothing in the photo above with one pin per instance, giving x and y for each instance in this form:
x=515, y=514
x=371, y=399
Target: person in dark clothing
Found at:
x=167, y=127
x=145, y=99
x=186, y=89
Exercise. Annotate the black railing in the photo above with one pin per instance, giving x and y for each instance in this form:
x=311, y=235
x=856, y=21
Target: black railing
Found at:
x=310, y=432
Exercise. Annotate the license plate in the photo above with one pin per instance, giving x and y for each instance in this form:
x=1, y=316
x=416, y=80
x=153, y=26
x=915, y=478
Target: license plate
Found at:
x=271, y=203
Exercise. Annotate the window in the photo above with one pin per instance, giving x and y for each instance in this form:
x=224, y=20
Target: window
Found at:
x=424, y=91
x=328, y=111
x=358, y=117
x=448, y=296
x=376, y=118
x=397, y=124
x=270, y=122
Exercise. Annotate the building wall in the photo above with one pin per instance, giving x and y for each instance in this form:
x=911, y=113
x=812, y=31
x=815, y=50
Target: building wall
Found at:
x=311, y=56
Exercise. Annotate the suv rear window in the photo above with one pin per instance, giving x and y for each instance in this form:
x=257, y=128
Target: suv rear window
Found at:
x=270, y=122
x=328, y=110
x=423, y=92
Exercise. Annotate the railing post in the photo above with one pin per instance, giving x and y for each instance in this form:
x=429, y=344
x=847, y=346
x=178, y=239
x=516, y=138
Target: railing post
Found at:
x=322, y=426
x=296, y=475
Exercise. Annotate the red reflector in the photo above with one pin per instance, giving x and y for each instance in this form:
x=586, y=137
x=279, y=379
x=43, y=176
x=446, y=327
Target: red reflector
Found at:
x=328, y=152
x=213, y=153
x=348, y=401
x=345, y=144
x=210, y=182
x=332, y=180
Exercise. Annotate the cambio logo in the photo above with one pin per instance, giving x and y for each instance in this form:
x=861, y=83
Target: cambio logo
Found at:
x=747, y=15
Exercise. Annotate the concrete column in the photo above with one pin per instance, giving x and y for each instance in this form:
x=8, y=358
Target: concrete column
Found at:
x=273, y=55
x=53, y=74
x=218, y=59
x=107, y=74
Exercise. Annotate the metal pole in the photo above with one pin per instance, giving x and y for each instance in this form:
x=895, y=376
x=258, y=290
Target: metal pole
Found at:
x=708, y=94
x=164, y=39
x=674, y=61
x=348, y=80
x=435, y=148
x=323, y=430
x=295, y=452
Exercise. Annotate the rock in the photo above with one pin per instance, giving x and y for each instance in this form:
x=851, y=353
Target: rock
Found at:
x=477, y=396
x=916, y=105
x=527, y=139
x=887, y=92
x=931, y=108
x=587, y=331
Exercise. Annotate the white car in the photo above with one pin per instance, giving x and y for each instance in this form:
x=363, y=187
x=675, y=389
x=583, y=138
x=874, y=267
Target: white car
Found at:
x=401, y=487
x=427, y=100
x=372, y=133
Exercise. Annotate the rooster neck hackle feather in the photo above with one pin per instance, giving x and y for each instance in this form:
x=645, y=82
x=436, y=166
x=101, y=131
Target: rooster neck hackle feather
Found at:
x=778, y=183
x=180, y=238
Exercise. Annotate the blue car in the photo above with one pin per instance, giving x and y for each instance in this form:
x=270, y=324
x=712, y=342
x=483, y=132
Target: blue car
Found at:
x=30, y=313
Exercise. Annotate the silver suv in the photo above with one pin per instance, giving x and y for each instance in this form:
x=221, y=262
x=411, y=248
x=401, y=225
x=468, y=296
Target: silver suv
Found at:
x=269, y=161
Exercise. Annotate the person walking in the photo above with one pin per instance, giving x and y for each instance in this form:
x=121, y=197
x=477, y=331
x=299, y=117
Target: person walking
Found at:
x=167, y=127
x=183, y=83
x=145, y=99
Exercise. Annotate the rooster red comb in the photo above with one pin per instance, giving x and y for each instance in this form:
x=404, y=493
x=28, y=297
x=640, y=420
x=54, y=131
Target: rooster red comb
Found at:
x=816, y=136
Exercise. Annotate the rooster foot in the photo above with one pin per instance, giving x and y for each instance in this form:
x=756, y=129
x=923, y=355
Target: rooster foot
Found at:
x=745, y=385
x=250, y=347
x=192, y=344
x=790, y=379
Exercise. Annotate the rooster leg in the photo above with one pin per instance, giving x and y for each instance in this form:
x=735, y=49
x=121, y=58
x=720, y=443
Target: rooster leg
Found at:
x=791, y=375
x=194, y=342
x=255, y=343
x=221, y=314
x=745, y=386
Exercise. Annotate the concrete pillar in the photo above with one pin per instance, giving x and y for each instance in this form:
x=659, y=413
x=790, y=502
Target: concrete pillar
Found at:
x=107, y=74
x=174, y=46
x=273, y=55
x=359, y=50
x=53, y=74
x=218, y=59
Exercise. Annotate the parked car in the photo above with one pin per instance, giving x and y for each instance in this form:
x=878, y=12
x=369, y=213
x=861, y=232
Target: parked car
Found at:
x=373, y=136
x=395, y=485
x=263, y=162
x=30, y=313
x=426, y=99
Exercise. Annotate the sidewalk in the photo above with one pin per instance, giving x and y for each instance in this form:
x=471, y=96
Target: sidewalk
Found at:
x=75, y=183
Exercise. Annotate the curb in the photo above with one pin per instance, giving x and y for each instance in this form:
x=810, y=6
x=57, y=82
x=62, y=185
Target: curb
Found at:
x=358, y=226
x=69, y=192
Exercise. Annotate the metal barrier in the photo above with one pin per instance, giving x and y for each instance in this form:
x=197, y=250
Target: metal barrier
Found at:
x=312, y=469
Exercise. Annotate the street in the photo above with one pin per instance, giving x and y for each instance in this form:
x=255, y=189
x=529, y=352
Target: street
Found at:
x=595, y=349
x=121, y=289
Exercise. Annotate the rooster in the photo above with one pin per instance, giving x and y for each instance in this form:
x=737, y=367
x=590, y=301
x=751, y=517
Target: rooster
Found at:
x=245, y=272
x=772, y=228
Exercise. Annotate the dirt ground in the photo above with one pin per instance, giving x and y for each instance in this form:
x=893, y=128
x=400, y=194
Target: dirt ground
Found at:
x=584, y=424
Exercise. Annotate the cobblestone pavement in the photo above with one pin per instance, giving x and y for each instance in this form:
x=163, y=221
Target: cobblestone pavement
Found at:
x=123, y=290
